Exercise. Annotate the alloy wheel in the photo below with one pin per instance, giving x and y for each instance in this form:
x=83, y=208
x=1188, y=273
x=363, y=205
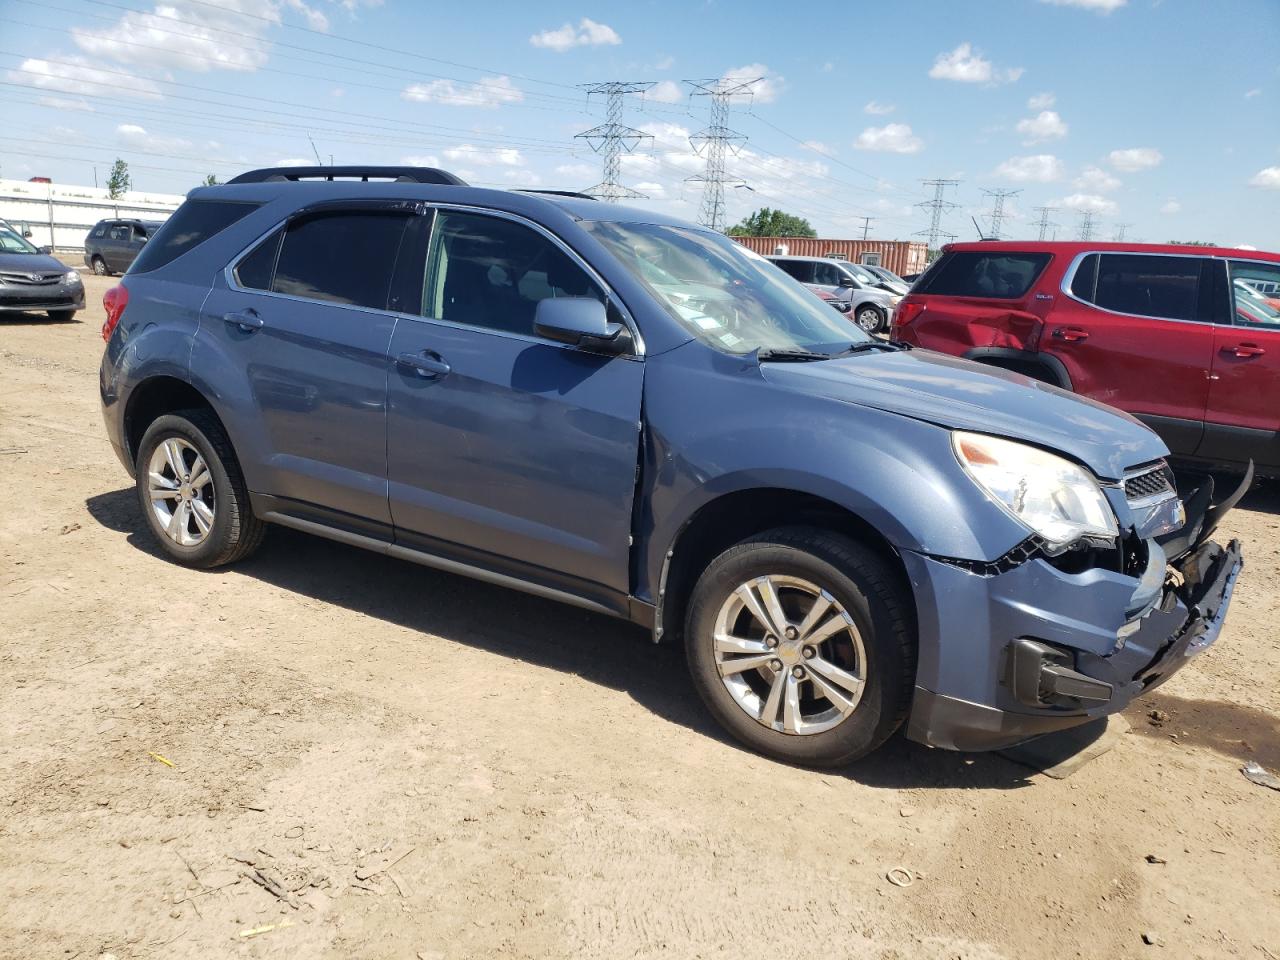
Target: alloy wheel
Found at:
x=869, y=319
x=789, y=654
x=181, y=489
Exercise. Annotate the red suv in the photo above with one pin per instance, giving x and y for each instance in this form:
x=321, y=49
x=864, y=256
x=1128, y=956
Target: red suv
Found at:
x=1185, y=338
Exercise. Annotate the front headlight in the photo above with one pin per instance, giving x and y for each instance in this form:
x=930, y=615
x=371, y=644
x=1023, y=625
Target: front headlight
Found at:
x=71, y=276
x=1057, y=499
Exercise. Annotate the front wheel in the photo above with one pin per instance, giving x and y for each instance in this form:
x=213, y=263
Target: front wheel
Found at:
x=801, y=644
x=869, y=318
x=192, y=492
x=62, y=316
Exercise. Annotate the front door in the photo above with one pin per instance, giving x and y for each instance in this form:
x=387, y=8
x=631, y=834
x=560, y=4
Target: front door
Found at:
x=307, y=321
x=507, y=450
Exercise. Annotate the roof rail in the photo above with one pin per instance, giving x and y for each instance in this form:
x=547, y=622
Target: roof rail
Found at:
x=396, y=174
x=559, y=193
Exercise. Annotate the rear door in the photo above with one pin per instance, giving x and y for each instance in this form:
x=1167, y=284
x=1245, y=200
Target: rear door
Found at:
x=115, y=247
x=507, y=450
x=306, y=321
x=1135, y=330
x=1243, y=419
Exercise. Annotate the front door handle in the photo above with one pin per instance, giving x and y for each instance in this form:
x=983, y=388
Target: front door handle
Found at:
x=1243, y=350
x=428, y=365
x=1071, y=334
x=246, y=320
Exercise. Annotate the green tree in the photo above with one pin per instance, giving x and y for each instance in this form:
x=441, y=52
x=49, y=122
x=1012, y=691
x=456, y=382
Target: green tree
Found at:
x=211, y=181
x=767, y=222
x=119, y=183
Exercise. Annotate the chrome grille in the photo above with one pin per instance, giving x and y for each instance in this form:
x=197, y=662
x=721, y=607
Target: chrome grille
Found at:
x=1154, y=482
x=35, y=278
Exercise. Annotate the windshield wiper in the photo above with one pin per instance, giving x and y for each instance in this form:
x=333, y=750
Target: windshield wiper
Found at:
x=790, y=356
x=864, y=346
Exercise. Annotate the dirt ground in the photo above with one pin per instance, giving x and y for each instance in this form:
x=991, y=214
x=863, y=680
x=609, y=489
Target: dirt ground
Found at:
x=327, y=753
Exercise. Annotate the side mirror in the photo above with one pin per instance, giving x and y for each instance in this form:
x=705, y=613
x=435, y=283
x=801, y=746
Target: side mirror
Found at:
x=47, y=250
x=847, y=282
x=582, y=322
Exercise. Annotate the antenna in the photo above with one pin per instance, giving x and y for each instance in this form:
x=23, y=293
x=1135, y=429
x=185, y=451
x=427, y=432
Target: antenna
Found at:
x=319, y=162
x=611, y=138
x=713, y=141
x=1086, y=225
x=997, y=209
x=1044, y=223
x=938, y=205
x=979, y=229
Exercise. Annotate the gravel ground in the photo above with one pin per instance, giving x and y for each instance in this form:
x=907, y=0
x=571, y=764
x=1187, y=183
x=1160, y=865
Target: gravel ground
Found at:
x=327, y=753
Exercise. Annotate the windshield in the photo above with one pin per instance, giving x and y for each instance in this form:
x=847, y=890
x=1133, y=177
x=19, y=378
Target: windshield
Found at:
x=722, y=293
x=10, y=242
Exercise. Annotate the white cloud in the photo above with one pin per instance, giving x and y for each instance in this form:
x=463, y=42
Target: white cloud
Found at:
x=73, y=74
x=1255, y=92
x=964, y=64
x=666, y=91
x=1046, y=125
x=1096, y=179
x=587, y=33
x=767, y=86
x=891, y=138
x=1171, y=206
x=488, y=93
x=486, y=156
x=136, y=137
x=1135, y=159
x=879, y=109
x=1100, y=6
x=295, y=162
x=1268, y=178
x=665, y=62
x=1037, y=168
x=421, y=160
x=577, y=171
x=64, y=103
x=1081, y=202
x=819, y=147
x=1041, y=101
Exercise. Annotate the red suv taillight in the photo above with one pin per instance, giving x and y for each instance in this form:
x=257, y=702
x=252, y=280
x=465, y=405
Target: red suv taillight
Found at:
x=906, y=311
x=114, y=301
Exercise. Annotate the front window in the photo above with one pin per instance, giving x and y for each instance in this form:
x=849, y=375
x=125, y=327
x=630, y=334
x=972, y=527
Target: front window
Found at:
x=1255, y=288
x=722, y=293
x=10, y=242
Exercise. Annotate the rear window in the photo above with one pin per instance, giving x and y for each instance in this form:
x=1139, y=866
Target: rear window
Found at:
x=191, y=225
x=977, y=273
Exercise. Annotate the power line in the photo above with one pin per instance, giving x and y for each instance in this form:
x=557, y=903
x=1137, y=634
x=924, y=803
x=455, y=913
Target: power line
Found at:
x=1044, y=223
x=712, y=143
x=866, y=225
x=1120, y=229
x=996, y=217
x=612, y=137
x=937, y=206
x=1086, y=225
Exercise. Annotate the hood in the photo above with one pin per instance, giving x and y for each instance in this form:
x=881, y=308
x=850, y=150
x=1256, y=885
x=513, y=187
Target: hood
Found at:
x=31, y=263
x=874, y=294
x=963, y=395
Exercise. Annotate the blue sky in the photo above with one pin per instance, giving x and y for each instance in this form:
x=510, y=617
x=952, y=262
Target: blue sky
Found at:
x=1157, y=114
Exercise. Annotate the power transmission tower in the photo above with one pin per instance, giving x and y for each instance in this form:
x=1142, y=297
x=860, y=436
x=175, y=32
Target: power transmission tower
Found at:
x=1120, y=229
x=712, y=143
x=1044, y=223
x=1086, y=225
x=938, y=205
x=866, y=225
x=611, y=138
x=997, y=209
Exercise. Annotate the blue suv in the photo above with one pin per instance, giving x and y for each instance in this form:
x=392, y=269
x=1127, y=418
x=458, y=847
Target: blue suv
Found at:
x=635, y=415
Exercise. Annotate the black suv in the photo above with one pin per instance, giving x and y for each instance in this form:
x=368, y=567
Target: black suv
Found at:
x=113, y=245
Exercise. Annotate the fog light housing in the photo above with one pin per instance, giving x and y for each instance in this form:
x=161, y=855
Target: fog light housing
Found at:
x=1039, y=674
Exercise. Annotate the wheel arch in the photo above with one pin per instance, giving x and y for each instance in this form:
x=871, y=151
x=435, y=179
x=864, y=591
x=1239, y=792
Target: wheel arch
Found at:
x=1040, y=366
x=153, y=398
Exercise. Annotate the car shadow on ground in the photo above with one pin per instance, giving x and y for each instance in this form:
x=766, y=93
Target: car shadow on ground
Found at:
x=34, y=318
x=1234, y=730
x=595, y=647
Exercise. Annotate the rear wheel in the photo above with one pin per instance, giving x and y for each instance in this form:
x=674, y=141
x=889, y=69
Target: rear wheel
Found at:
x=192, y=492
x=61, y=316
x=800, y=644
x=869, y=318
x=99, y=266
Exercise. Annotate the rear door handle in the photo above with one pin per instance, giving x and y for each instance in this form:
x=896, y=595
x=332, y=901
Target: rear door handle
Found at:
x=1071, y=334
x=246, y=320
x=1243, y=350
x=427, y=365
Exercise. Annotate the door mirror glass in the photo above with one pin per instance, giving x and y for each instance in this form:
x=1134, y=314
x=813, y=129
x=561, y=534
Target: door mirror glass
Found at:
x=46, y=249
x=581, y=321
x=847, y=281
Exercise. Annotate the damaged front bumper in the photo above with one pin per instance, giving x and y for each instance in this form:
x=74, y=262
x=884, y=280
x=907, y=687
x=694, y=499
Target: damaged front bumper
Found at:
x=1037, y=649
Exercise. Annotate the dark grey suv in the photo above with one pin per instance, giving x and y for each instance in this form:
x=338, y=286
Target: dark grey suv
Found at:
x=112, y=245
x=628, y=413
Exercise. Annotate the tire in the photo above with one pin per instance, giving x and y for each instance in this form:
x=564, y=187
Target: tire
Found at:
x=61, y=316
x=100, y=267
x=864, y=587
x=869, y=318
x=233, y=532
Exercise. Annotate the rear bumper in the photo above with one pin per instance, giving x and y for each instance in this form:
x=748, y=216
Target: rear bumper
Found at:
x=1037, y=680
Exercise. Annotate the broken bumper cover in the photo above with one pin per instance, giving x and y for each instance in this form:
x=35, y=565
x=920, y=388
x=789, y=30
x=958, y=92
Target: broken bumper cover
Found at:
x=1054, y=657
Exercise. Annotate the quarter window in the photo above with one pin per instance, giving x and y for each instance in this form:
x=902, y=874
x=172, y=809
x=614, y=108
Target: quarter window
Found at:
x=490, y=272
x=346, y=258
x=256, y=270
x=191, y=225
x=120, y=233
x=801, y=270
x=977, y=273
x=1148, y=285
x=1255, y=290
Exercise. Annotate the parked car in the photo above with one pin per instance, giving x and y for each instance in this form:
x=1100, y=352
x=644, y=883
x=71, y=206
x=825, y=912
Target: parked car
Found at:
x=887, y=279
x=112, y=245
x=869, y=304
x=638, y=416
x=831, y=300
x=32, y=280
x=1163, y=332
